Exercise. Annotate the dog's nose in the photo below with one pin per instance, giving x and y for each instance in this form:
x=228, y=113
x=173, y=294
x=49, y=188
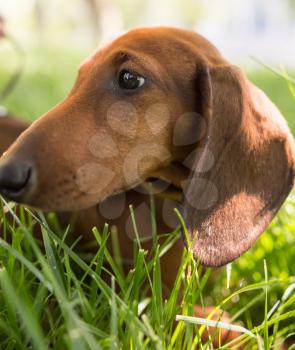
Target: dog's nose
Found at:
x=15, y=180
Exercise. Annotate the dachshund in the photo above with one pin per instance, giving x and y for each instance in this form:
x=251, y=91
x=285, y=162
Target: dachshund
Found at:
x=161, y=104
x=161, y=110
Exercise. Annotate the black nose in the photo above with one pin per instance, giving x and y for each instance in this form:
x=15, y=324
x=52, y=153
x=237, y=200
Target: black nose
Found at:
x=15, y=180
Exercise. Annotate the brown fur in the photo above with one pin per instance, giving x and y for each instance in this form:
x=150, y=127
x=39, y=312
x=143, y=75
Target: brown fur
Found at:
x=226, y=204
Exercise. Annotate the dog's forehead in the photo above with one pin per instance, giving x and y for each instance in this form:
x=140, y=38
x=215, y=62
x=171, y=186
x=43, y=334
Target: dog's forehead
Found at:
x=141, y=38
x=141, y=41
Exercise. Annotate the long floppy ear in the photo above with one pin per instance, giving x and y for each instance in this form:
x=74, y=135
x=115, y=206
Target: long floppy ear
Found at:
x=244, y=170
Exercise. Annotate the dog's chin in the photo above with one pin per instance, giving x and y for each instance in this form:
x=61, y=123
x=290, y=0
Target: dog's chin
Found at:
x=57, y=199
x=69, y=203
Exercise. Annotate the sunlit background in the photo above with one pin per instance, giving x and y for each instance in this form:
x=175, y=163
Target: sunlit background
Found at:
x=262, y=28
x=56, y=35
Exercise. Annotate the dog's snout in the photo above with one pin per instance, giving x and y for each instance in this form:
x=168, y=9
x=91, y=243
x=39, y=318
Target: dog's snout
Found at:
x=15, y=180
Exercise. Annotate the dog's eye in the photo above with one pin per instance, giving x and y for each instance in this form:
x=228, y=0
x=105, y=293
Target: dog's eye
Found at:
x=130, y=80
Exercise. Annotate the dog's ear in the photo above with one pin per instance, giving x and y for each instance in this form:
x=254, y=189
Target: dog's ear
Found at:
x=244, y=167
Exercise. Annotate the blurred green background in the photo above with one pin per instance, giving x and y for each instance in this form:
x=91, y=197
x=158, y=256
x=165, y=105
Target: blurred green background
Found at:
x=56, y=36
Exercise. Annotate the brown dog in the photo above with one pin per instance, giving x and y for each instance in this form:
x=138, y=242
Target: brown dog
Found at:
x=157, y=105
x=160, y=104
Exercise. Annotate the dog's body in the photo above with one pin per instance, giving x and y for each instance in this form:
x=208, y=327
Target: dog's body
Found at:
x=159, y=104
x=11, y=128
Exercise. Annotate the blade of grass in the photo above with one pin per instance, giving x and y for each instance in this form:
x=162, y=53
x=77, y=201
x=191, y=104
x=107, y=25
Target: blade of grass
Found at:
x=27, y=316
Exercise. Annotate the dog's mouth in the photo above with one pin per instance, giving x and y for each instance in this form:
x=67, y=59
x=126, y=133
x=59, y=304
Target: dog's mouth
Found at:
x=163, y=189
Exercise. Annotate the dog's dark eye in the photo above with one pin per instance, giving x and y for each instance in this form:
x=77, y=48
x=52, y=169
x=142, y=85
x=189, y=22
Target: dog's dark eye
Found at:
x=130, y=80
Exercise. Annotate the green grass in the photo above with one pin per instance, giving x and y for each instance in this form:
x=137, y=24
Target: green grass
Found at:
x=52, y=297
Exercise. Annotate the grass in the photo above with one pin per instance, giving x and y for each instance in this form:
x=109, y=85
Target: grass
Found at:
x=52, y=297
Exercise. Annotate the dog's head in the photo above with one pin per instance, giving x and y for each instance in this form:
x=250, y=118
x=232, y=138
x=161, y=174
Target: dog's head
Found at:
x=161, y=103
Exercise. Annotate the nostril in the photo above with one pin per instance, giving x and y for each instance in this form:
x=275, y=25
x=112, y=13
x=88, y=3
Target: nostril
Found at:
x=15, y=179
x=16, y=182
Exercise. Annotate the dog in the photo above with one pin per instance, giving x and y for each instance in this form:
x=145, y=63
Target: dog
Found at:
x=159, y=105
